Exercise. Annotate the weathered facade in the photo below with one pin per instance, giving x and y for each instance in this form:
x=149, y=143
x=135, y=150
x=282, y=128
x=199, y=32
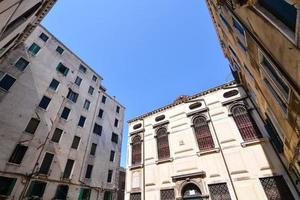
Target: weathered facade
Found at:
x=60, y=131
x=18, y=18
x=261, y=39
x=212, y=145
x=121, y=188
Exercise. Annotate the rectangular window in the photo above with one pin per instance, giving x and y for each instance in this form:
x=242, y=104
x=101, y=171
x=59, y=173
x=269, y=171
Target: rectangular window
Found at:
x=82, y=68
x=6, y=82
x=109, y=176
x=94, y=78
x=103, y=99
x=225, y=22
x=97, y=129
x=88, y=172
x=135, y=196
x=93, y=149
x=75, y=142
x=68, y=168
x=78, y=80
x=62, y=69
x=34, y=48
x=219, y=191
x=116, y=123
x=112, y=156
x=73, y=96
x=61, y=192
x=36, y=189
x=18, y=154
x=276, y=138
x=54, y=84
x=167, y=194
x=45, y=166
x=114, y=138
x=59, y=50
x=32, y=126
x=6, y=185
x=57, y=135
x=65, y=113
x=84, y=194
x=81, y=121
x=44, y=102
x=118, y=109
x=100, y=114
x=44, y=37
x=91, y=90
x=86, y=104
x=21, y=64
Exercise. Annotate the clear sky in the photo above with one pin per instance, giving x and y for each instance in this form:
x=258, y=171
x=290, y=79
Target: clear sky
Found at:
x=148, y=51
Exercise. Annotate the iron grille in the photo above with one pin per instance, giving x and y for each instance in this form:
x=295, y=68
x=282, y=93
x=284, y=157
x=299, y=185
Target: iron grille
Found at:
x=219, y=191
x=167, y=194
x=230, y=4
x=203, y=134
x=135, y=196
x=276, y=188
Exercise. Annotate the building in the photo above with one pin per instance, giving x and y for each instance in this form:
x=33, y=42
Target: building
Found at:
x=261, y=39
x=18, y=19
x=121, y=188
x=61, y=133
x=212, y=145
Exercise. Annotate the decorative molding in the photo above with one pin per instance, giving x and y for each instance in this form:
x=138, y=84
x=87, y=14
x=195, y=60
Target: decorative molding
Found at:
x=161, y=161
x=254, y=142
x=201, y=174
x=197, y=112
x=136, y=132
x=210, y=151
x=136, y=166
x=161, y=124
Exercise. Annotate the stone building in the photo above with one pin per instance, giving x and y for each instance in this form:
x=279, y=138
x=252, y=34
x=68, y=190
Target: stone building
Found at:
x=18, y=18
x=60, y=131
x=212, y=145
x=261, y=39
x=122, y=179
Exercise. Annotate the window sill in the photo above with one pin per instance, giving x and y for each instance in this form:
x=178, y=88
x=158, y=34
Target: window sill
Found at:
x=13, y=164
x=136, y=166
x=164, y=161
x=209, y=151
x=253, y=142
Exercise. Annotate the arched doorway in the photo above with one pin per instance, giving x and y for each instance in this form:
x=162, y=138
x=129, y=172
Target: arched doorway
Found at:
x=191, y=192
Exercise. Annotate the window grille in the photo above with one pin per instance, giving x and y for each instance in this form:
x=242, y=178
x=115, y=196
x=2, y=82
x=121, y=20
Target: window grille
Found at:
x=163, y=144
x=136, y=150
x=203, y=133
x=219, y=191
x=135, y=196
x=276, y=188
x=167, y=194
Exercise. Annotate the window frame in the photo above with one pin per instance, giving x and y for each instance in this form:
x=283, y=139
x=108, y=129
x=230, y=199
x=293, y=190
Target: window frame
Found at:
x=61, y=134
x=46, y=97
x=166, y=135
x=14, y=152
x=71, y=172
x=77, y=146
x=61, y=115
x=37, y=126
x=51, y=88
x=32, y=47
x=23, y=69
x=2, y=77
x=203, y=148
x=43, y=34
x=42, y=161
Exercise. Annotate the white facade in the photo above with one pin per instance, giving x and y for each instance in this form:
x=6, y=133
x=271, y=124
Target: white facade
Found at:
x=233, y=167
x=21, y=101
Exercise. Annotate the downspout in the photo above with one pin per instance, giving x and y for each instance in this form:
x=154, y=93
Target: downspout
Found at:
x=144, y=181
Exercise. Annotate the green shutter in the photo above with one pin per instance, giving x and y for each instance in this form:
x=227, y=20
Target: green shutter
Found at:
x=34, y=48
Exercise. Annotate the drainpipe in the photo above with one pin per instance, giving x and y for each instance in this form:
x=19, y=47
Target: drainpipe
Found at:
x=144, y=181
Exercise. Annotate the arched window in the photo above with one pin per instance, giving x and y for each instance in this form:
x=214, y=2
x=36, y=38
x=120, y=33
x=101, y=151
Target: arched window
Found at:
x=163, y=144
x=136, y=150
x=245, y=123
x=203, y=134
x=191, y=191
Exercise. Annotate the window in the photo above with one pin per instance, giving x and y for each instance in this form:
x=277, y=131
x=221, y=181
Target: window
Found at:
x=88, y=172
x=225, y=22
x=54, y=84
x=21, y=64
x=82, y=68
x=91, y=90
x=81, y=121
x=116, y=123
x=219, y=191
x=62, y=69
x=65, y=113
x=109, y=176
x=94, y=78
x=103, y=99
x=61, y=192
x=6, y=82
x=230, y=93
x=44, y=37
x=57, y=135
x=75, y=142
x=276, y=138
x=78, y=80
x=32, y=125
x=59, y=50
x=195, y=105
x=93, y=149
x=136, y=149
x=248, y=73
x=167, y=194
x=97, y=129
x=245, y=123
x=276, y=188
x=135, y=196
x=162, y=144
x=86, y=104
x=108, y=195
x=34, y=48
x=44, y=102
x=100, y=114
x=84, y=194
x=114, y=138
x=112, y=156
x=160, y=118
x=45, y=166
x=68, y=168
x=6, y=185
x=118, y=109
x=203, y=134
x=73, y=96
x=36, y=189
x=238, y=26
x=18, y=154
x=282, y=11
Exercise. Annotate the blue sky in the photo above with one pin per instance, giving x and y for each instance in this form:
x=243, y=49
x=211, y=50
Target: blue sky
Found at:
x=148, y=51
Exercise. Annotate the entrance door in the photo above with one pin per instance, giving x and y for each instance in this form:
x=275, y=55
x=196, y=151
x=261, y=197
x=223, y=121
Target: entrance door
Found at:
x=191, y=192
